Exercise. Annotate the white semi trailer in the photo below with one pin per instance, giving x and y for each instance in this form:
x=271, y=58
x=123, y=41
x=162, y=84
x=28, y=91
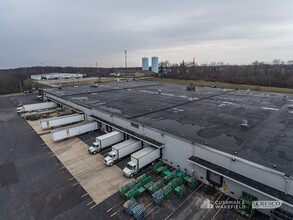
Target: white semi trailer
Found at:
x=106, y=140
x=140, y=159
x=73, y=130
x=63, y=120
x=121, y=150
x=37, y=106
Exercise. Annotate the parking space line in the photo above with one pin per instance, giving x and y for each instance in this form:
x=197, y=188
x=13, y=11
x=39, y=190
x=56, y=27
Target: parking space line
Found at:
x=62, y=168
x=114, y=206
x=220, y=209
x=96, y=205
x=84, y=195
x=210, y=209
x=182, y=202
x=53, y=155
x=71, y=178
x=75, y=184
x=90, y=202
x=116, y=212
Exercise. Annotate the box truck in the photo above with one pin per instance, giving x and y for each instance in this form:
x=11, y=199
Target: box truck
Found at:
x=74, y=130
x=106, y=140
x=140, y=159
x=121, y=150
x=63, y=120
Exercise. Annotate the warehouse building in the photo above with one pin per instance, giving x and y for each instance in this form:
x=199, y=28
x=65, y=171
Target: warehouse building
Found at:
x=236, y=141
x=51, y=76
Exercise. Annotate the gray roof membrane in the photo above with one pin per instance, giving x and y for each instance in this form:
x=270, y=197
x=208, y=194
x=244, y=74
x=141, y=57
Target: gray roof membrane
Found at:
x=209, y=116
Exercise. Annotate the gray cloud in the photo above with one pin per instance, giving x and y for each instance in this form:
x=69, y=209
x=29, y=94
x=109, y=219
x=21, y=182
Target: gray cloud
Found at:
x=77, y=33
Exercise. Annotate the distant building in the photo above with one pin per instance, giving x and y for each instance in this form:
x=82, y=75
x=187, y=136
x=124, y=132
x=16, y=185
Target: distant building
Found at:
x=145, y=63
x=155, y=64
x=50, y=76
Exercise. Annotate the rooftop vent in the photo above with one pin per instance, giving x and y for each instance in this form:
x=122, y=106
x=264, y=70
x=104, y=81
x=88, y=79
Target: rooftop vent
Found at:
x=244, y=123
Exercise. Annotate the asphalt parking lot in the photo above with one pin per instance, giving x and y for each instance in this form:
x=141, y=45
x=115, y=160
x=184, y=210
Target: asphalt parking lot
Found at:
x=35, y=186
x=32, y=185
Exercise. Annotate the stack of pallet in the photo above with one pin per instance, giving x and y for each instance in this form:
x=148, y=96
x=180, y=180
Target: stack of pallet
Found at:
x=132, y=208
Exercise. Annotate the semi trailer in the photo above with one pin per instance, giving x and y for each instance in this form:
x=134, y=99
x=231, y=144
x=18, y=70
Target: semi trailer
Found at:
x=35, y=107
x=74, y=130
x=121, y=150
x=140, y=159
x=63, y=120
x=106, y=140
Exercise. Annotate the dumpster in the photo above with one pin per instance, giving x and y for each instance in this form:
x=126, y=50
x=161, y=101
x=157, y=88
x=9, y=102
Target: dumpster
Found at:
x=180, y=190
x=192, y=182
x=155, y=187
x=158, y=167
x=167, y=190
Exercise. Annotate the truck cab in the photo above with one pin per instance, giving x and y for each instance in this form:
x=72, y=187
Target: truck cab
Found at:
x=130, y=169
x=19, y=110
x=95, y=148
x=111, y=158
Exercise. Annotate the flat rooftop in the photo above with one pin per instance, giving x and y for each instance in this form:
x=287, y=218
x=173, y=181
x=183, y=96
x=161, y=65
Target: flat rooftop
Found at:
x=206, y=115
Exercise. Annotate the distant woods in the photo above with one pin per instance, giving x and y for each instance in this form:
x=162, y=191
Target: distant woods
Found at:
x=11, y=79
x=277, y=73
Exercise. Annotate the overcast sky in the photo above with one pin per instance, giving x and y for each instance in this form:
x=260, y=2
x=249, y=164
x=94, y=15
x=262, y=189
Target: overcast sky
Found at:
x=81, y=33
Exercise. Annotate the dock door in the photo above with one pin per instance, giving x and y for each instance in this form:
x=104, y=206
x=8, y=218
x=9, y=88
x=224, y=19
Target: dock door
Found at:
x=214, y=179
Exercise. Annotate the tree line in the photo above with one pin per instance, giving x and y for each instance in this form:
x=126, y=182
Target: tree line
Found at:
x=12, y=80
x=277, y=73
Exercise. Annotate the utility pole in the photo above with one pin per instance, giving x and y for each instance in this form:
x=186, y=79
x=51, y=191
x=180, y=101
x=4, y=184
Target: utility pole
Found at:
x=42, y=67
x=20, y=86
x=125, y=62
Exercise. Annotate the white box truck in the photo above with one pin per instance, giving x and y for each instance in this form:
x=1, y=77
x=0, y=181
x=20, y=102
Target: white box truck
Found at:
x=140, y=159
x=37, y=106
x=73, y=130
x=63, y=120
x=121, y=150
x=106, y=140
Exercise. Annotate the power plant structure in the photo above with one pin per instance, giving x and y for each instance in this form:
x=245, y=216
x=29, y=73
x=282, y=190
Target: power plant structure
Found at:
x=145, y=63
x=155, y=64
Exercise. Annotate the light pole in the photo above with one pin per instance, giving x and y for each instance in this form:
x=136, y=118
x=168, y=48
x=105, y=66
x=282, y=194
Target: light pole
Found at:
x=125, y=62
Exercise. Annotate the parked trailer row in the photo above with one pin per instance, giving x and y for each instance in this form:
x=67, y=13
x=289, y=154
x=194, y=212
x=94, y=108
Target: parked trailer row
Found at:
x=63, y=120
x=139, y=159
x=74, y=130
x=37, y=106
